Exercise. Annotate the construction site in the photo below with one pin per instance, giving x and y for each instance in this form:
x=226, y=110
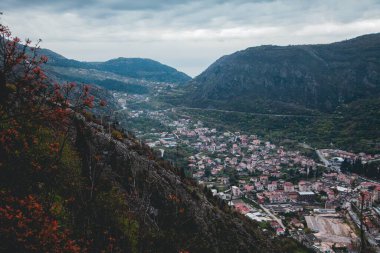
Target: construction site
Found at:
x=331, y=230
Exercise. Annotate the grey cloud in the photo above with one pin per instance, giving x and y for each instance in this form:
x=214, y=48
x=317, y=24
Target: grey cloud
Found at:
x=91, y=4
x=176, y=31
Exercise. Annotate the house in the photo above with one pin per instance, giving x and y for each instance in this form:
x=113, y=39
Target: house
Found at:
x=365, y=199
x=275, y=174
x=264, y=179
x=253, y=179
x=330, y=194
x=235, y=191
x=331, y=176
x=368, y=185
x=304, y=186
x=259, y=186
x=317, y=186
x=377, y=193
x=221, y=195
x=277, y=197
x=260, y=198
x=242, y=165
x=344, y=178
x=274, y=224
x=288, y=187
x=242, y=208
x=296, y=223
x=292, y=196
x=224, y=180
x=272, y=186
x=280, y=185
x=332, y=204
x=248, y=188
x=280, y=231
x=306, y=196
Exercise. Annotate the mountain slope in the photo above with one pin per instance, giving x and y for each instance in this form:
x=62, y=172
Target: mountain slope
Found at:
x=293, y=79
x=121, y=74
x=174, y=210
x=142, y=69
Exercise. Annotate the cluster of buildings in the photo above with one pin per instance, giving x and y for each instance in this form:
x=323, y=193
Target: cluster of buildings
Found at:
x=336, y=156
x=264, y=182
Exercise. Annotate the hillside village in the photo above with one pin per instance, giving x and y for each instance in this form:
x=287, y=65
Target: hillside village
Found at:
x=307, y=198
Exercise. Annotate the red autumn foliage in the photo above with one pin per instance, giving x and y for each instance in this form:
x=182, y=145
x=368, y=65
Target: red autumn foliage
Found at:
x=25, y=90
x=54, y=147
x=26, y=226
x=28, y=97
x=29, y=102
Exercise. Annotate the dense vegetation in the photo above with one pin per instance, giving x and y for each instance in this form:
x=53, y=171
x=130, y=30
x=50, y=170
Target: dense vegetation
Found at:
x=66, y=186
x=115, y=69
x=353, y=127
x=143, y=69
x=110, y=84
x=369, y=170
x=324, y=95
x=291, y=79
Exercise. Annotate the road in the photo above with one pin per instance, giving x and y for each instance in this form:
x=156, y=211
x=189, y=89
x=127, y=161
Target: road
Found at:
x=273, y=216
x=368, y=180
x=269, y=213
x=370, y=238
x=325, y=162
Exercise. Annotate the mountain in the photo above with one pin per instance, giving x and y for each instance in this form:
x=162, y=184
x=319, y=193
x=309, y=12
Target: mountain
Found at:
x=73, y=181
x=132, y=75
x=142, y=69
x=293, y=79
x=324, y=95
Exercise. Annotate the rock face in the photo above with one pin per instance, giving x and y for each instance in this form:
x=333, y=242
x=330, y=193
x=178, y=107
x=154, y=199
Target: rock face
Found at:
x=177, y=212
x=291, y=78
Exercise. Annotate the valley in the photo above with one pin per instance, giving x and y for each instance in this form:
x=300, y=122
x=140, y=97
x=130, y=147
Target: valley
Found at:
x=190, y=126
x=282, y=184
x=277, y=160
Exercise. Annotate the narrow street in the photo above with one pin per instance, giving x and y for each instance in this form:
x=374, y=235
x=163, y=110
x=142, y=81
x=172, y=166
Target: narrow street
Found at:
x=325, y=162
x=273, y=216
x=371, y=240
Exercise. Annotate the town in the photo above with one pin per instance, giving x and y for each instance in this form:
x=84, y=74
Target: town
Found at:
x=307, y=198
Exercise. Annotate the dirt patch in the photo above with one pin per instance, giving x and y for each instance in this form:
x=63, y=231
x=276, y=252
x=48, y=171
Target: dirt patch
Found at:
x=331, y=228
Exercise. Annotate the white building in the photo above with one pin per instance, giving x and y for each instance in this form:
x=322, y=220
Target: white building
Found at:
x=235, y=191
x=272, y=186
x=288, y=187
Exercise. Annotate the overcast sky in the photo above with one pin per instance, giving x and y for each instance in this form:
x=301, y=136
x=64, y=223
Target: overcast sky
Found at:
x=188, y=35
